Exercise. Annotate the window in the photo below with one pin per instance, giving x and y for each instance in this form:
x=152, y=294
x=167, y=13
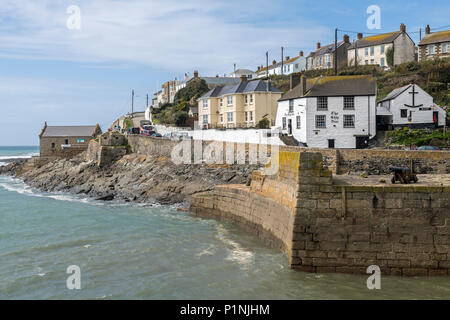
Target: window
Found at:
x=349, y=102
x=66, y=141
x=372, y=51
x=230, y=100
x=403, y=113
x=251, y=99
x=444, y=47
x=372, y=61
x=245, y=115
x=251, y=115
x=221, y=102
x=205, y=104
x=291, y=106
x=284, y=123
x=349, y=120
x=53, y=145
x=322, y=103
x=367, y=62
x=382, y=62
x=366, y=51
x=431, y=49
x=230, y=116
x=321, y=121
x=245, y=99
x=221, y=118
x=296, y=66
x=205, y=119
x=298, y=122
x=382, y=49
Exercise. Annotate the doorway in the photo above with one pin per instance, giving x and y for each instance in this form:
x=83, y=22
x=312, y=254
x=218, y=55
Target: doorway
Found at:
x=362, y=142
x=290, y=126
x=331, y=143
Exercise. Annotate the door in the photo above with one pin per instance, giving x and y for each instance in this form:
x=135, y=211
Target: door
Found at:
x=362, y=142
x=289, y=126
x=331, y=143
x=436, y=118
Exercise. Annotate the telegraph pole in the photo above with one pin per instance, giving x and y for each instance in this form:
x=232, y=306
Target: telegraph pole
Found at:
x=282, y=49
x=132, y=103
x=335, y=51
x=420, y=34
x=267, y=64
x=147, y=101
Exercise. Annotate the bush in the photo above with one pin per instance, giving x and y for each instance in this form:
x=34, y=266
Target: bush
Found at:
x=264, y=123
x=390, y=56
x=128, y=123
x=193, y=90
x=180, y=118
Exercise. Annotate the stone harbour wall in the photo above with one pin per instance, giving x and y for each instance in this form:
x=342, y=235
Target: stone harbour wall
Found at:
x=326, y=227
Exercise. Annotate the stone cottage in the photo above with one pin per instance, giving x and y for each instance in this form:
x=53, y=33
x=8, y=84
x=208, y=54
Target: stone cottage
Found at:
x=66, y=141
x=434, y=45
x=323, y=57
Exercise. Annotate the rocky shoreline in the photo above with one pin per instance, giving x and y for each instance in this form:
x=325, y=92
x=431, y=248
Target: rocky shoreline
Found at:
x=136, y=178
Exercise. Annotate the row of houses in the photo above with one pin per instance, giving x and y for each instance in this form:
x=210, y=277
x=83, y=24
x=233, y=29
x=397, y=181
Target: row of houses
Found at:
x=321, y=112
x=369, y=50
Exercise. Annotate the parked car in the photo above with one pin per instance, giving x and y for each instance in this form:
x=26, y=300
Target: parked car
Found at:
x=166, y=136
x=147, y=132
x=156, y=135
x=134, y=130
x=431, y=148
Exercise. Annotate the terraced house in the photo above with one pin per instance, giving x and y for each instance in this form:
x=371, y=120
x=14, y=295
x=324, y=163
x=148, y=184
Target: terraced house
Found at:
x=372, y=49
x=238, y=106
x=286, y=67
x=434, y=45
x=323, y=57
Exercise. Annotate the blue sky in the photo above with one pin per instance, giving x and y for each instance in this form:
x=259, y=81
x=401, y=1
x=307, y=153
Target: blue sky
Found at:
x=64, y=76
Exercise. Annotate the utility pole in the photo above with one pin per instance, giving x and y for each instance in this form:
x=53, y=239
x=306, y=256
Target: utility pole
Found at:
x=335, y=51
x=356, y=54
x=282, y=57
x=234, y=69
x=267, y=64
x=147, y=101
x=420, y=34
x=132, y=103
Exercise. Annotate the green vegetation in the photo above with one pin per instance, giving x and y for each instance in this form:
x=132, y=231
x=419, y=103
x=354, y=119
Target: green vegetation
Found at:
x=264, y=123
x=128, y=123
x=390, y=56
x=420, y=137
x=177, y=113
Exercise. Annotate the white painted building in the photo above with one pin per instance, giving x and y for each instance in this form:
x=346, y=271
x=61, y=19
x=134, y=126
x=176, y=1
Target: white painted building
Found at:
x=330, y=112
x=243, y=72
x=410, y=106
x=288, y=66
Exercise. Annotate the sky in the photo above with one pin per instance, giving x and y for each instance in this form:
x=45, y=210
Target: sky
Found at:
x=78, y=67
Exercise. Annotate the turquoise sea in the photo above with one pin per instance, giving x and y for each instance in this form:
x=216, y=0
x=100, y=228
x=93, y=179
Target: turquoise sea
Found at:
x=128, y=251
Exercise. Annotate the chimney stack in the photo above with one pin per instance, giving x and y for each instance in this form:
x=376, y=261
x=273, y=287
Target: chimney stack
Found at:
x=195, y=73
x=287, y=58
x=243, y=78
x=403, y=28
x=274, y=61
x=301, y=53
x=294, y=80
x=360, y=35
x=303, y=85
x=346, y=38
x=318, y=45
x=427, y=29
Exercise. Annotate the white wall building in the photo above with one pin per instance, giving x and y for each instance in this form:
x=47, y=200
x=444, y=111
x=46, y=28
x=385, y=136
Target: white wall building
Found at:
x=410, y=106
x=288, y=66
x=330, y=112
x=243, y=72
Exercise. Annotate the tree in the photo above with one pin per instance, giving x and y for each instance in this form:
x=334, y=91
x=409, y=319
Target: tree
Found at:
x=180, y=118
x=390, y=56
x=193, y=90
x=128, y=123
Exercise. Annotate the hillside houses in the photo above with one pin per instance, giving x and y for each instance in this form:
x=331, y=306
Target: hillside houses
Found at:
x=323, y=57
x=372, y=49
x=286, y=67
x=434, y=45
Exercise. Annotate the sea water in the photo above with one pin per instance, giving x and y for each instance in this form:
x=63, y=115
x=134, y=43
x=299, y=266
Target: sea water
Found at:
x=130, y=251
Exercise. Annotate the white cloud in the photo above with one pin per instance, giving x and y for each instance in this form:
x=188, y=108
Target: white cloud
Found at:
x=175, y=35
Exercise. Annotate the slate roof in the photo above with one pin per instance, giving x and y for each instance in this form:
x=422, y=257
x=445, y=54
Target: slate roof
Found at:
x=242, y=87
x=329, y=48
x=375, y=40
x=435, y=37
x=69, y=131
x=219, y=80
x=357, y=85
x=396, y=92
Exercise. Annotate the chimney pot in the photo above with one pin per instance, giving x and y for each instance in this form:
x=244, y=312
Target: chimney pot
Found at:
x=243, y=78
x=195, y=73
x=303, y=84
x=294, y=80
x=318, y=45
x=287, y=58
x=274, y=61
x=301, y=53
x=427, y=29
x=346, y=38
x=360, y=35
x=402, y=27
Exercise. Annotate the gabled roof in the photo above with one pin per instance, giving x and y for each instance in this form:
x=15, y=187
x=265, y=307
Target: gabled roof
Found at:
x=329, y=48
x=242, y=87
x=374, y=40
x=396, y=92
x=435, y=37
x=357, y=85
x=285, y=62
x=69, y=131
x=218, y=80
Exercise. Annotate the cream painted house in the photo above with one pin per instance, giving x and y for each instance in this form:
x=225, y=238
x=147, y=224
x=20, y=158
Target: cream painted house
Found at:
x=238, y=106
x=372, y=50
